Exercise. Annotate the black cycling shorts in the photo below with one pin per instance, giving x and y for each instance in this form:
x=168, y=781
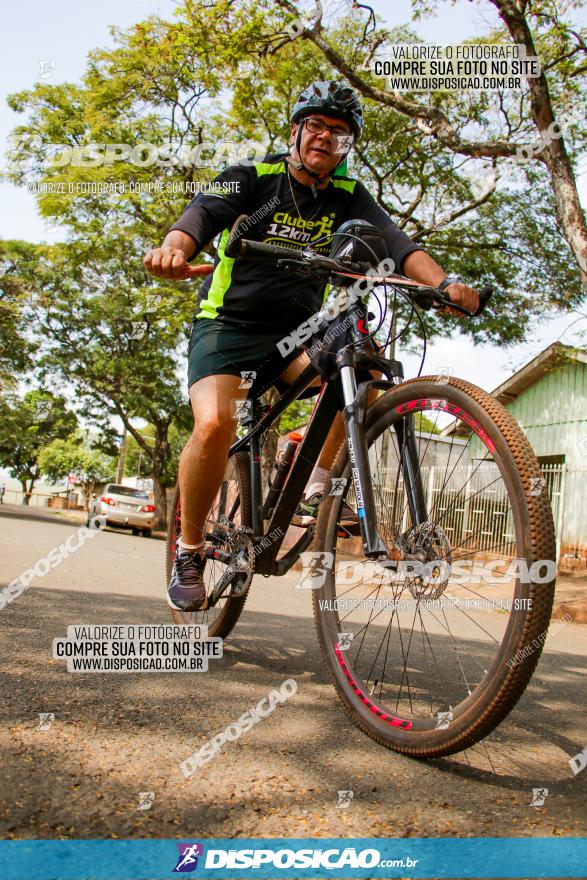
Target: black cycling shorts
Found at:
x=217, y=348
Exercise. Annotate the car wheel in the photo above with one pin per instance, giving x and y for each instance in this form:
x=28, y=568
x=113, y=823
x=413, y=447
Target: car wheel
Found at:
x=147, y=533
x=136, y=532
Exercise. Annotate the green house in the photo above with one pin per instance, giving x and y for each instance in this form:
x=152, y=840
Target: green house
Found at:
x=548, y=398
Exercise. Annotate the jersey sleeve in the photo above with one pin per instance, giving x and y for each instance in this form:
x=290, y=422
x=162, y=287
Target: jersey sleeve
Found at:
x=209, y=212
x=399, y=245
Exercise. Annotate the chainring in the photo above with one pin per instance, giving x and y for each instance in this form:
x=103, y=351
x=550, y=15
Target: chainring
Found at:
x=239, y=544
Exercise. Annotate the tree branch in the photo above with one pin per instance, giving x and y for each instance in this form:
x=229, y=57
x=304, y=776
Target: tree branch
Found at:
x=436, y=123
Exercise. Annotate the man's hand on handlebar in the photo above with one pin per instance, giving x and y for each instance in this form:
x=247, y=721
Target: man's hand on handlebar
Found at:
x=166, y=262
x=461, y=295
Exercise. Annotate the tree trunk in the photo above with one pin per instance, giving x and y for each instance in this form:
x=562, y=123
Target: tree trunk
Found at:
x=568, y=206
x=160, y=501
x=87, y=489
x=26, y=495
x=122, y=456
x=564, y=186
x=160, y=454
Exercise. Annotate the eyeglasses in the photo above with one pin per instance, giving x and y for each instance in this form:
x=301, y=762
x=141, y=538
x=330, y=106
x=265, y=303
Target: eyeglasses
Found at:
x=316, y=126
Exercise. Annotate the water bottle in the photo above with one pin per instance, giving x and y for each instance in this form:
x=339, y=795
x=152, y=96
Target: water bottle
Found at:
x=280, y=472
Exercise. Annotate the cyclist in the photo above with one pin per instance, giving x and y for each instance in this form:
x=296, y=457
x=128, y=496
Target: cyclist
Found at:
x=245, y=307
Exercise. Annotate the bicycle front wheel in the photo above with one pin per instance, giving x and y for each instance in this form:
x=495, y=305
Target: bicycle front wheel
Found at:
x=430, y=653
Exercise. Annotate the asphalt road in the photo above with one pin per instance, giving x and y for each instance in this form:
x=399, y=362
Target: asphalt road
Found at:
x=115, y=736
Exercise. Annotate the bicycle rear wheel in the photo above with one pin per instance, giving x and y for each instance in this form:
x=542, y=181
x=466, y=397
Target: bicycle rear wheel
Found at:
x=428, y=659
x=232, y=505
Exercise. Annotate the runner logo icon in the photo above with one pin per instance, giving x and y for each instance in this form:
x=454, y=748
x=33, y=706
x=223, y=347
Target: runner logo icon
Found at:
x=187, y=860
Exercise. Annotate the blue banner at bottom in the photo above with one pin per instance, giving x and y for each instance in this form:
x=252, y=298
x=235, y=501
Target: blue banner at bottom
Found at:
x=293, y=858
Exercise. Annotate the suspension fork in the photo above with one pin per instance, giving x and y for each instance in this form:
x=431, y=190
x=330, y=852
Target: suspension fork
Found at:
x=411, y=468
x=353, y=415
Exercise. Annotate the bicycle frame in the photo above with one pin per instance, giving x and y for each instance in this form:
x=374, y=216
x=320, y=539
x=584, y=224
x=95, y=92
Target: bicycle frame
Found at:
x=334, y=396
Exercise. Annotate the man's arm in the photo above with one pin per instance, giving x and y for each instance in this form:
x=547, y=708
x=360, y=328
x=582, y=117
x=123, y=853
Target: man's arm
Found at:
x=408, y=256
x=205, y=216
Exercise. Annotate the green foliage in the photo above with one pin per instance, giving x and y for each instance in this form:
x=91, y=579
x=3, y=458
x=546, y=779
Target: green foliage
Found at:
x=15, y=348
x=424, y=424
x=73, y=457
x=295, y=416
x=27, y=425
x=138, y=464
x=228, y=71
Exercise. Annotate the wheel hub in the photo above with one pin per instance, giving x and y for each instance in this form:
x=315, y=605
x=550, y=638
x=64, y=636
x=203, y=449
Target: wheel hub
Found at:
x=429, y=544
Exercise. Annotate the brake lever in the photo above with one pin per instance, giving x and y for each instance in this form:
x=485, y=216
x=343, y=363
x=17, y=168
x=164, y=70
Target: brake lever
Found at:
x=300, y=267
x=485, y=295
x=309, y=264
x=424, y=299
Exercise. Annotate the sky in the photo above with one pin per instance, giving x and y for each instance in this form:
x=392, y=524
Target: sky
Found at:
x=64, y=32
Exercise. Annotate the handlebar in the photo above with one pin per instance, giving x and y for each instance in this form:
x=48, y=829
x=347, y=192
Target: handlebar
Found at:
x=309, y=262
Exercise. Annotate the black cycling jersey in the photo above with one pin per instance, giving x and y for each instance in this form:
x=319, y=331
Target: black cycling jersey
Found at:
x=249, y=293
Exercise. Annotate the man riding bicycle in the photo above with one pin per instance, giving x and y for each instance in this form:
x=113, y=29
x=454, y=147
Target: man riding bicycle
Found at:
x=245, y=308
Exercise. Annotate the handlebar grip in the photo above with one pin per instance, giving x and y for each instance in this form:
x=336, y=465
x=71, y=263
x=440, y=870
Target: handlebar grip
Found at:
x=201, y=269
x=485, y=295
x=257, y=250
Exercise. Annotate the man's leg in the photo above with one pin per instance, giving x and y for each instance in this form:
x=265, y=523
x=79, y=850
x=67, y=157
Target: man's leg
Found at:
x=337, y=432
x=315, y=487
x=205, y=455
x=201, y=469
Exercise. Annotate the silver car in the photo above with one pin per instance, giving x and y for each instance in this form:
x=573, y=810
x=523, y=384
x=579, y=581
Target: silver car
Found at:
x=124, y=508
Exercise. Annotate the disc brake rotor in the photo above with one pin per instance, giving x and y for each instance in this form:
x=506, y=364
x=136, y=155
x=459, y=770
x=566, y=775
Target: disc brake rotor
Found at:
x=429, y=543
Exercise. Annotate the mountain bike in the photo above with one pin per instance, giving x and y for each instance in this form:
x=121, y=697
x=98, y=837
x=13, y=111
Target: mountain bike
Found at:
x=430, y=616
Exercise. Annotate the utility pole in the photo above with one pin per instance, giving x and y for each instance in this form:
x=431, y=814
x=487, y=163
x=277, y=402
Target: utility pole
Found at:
x=392, y=331
x=121, y=457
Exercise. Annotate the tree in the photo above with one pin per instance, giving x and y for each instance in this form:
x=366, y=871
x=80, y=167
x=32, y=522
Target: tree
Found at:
x=458, y=205
x=109, y=330
x=90, y=342
x=500, y=126
x=63, y=458
x=15, y=349
x=138, y=464
x=424, y=424
x=472, y=214
x=27, y=425
x=296, y=415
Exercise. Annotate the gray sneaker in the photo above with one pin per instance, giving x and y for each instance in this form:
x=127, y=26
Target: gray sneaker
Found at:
x=186, y=591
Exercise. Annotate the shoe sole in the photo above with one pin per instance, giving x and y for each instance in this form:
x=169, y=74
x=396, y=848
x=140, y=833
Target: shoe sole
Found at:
x=202, y=607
